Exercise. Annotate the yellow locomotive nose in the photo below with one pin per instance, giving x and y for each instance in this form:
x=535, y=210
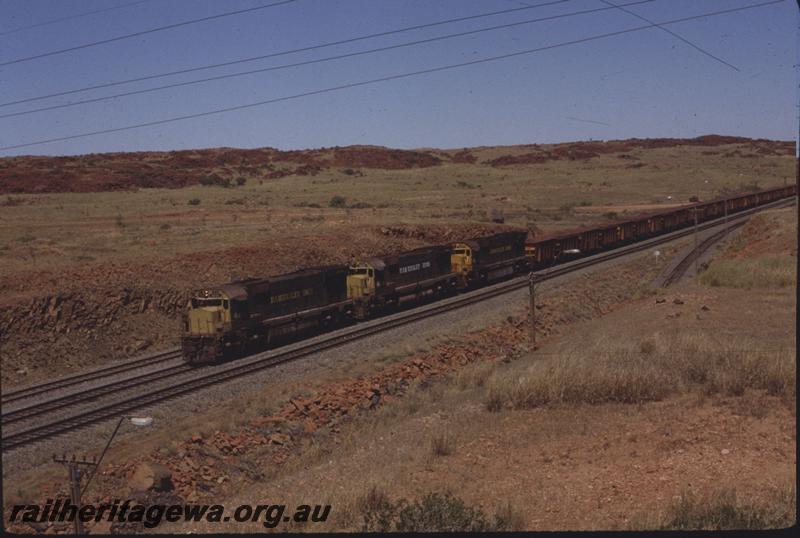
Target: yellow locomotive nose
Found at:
x=207, y=315
x=205, y=320
x=357, y=286
x=360, y=281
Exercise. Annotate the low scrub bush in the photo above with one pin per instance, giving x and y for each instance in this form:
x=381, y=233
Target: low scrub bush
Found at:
x=434, y=512
x=338, y=201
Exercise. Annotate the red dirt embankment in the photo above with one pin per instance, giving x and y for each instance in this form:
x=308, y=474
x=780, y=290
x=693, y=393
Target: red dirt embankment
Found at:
x=224, y=166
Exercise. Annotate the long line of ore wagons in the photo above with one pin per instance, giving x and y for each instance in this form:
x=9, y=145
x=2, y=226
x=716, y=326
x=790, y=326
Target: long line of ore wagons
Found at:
x=257, y=313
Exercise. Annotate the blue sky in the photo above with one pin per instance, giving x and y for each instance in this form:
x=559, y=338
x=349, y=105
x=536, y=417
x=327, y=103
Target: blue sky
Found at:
x=642, y=84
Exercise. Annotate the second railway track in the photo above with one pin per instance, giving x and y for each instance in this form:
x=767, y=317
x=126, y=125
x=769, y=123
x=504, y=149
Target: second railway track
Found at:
x=254, y=363
x=100, y=373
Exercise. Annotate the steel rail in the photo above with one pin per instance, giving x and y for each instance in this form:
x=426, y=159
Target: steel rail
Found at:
x=92, y=393
x=75, y=379
x=680, y=269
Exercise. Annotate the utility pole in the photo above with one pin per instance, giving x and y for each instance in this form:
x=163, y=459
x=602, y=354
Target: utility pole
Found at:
x=532, y=290
x=725, y=204
x=695, y=241
x=75, y=475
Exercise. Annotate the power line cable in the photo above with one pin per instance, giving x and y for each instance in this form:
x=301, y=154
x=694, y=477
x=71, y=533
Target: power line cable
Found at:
x=70, y=17
x=318, y=60
x=387, y=78
x=284, y=53
x=144, y=32
x=673, y=34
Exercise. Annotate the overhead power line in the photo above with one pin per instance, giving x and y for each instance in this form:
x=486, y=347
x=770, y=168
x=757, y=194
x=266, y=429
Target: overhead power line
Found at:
x=388, y=78
x=70, y=17
x=320, y=60
x=285, y=52
x=144, y=32
x=673, y=34
x=573, y=118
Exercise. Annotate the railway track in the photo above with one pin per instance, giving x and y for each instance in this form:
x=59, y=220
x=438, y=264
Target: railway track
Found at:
x=271, y=358
x=683, y=266
x=76, y=379
x=93, y=393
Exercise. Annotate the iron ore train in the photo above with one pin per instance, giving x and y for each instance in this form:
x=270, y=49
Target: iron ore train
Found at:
x=258, y=313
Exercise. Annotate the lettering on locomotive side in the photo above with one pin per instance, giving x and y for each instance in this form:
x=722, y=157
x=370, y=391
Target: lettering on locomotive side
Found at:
x=498, y=250
x=291, y=295
x=414, y=267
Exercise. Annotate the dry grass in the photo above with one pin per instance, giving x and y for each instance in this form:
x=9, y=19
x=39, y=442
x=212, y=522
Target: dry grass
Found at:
x=442, y=444
x=726, y=510
x=473, y=375
x=766, y=272
x=655, y=370
x=70, y=228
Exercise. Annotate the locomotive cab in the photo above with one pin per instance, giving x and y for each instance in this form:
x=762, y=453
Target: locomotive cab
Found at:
x=208, y=313
x=360, y=281
x=363, y=279
x=461, y=259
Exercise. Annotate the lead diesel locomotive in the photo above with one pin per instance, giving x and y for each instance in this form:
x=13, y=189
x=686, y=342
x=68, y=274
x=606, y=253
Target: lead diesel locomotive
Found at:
x=259, y=313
